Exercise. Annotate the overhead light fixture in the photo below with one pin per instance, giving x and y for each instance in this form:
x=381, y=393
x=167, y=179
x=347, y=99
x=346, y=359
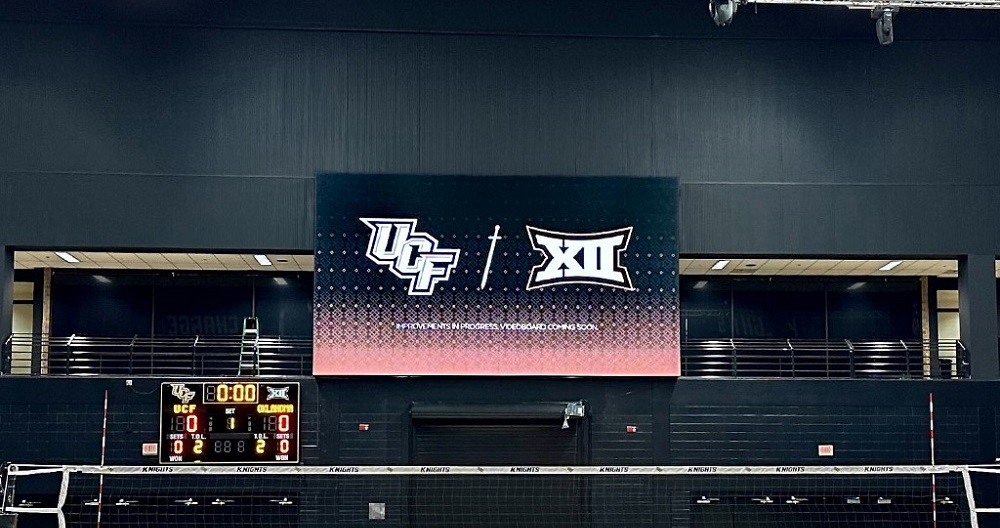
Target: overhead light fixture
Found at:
x=262, y=260
x=280, y=281
x=700, y=284
x=720, y=265
x=883, y=23
x=67, y=257
x=102, y=279
x=856, y=286
x=891, y=265
x=722, y=11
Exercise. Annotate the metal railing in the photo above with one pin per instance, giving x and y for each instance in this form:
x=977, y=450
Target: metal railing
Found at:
x=780, y=358
x=41, y=354
x=153, y=356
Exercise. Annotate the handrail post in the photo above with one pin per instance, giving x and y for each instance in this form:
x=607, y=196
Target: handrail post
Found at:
x=850, y=358
x=131, y=353
x=906, y=358
x=194, y=355
x=256, y=355
x=826, y=350
x=7, y=355
x=69, y=350
x=791, y=353
x=684, y=368
x=40, y=356
x=732, y=345
x=964, y=361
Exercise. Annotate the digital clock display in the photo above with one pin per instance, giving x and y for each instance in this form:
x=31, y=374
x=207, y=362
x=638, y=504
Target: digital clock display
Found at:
x=229, y=422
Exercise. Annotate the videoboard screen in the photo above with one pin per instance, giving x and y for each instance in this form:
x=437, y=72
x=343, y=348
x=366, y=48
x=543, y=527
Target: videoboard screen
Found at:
x=459, y=275
x=229, y=422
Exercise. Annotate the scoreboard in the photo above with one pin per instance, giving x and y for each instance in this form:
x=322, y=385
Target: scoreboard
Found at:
x=231, y=422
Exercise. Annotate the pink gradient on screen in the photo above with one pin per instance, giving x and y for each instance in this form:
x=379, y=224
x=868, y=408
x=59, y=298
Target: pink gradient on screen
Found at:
x=513, y=362
x=625, y=344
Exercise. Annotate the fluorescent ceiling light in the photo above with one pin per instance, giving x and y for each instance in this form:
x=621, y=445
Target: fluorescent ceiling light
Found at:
x=720, y=265
x=102, y=279
x=891, y=265
x=856, y=286
x=262, y=260
x=281, y=281
x=67, y=257
x=700, y=284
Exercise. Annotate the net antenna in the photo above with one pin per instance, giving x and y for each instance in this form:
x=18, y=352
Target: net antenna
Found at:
x=104, y=450
x=9, y=504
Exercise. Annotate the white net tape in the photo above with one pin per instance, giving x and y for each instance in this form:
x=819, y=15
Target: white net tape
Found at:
x=453, y=496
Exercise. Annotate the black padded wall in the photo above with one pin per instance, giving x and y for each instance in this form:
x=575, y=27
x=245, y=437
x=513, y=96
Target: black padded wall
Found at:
x=684, y=422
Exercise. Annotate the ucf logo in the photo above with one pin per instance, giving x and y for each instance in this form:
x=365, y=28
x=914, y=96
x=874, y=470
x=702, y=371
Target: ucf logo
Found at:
x=580, y=258
x=409, y=254
x=181, y=392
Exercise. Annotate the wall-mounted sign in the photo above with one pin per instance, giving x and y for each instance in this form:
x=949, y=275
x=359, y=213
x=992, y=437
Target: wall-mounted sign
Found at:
x=423, y=275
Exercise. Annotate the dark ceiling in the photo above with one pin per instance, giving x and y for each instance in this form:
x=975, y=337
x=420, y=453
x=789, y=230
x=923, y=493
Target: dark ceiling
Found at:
x=618, y=18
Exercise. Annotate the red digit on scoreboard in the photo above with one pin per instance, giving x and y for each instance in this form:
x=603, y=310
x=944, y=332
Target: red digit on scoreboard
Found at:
x=283, y=446
x=191, y=423
x=283, y=423
x=178, y=447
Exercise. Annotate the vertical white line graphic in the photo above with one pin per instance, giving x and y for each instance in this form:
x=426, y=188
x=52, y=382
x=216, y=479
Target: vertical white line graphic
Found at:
x=489, y=256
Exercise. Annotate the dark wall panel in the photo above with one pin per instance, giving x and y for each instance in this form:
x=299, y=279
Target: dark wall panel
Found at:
x=513, y=443
x=706, y=311
x=766, y=422
x=154, y=212
x=779, y=309
x=833, y=308
x=891, y=311
x=83, y=305
x=164, y=304
x=709, y=422
x=820, y=147
x=384, y=405
x=60, y=420
x=284, y=309
x=771, y=434
x=202, y=305
x=838, y=219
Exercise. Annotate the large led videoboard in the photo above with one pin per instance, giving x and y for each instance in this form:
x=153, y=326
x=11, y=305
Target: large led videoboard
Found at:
x=460, y=275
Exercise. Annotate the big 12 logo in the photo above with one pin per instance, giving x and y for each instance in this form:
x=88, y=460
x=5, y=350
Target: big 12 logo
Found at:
x=580, y=258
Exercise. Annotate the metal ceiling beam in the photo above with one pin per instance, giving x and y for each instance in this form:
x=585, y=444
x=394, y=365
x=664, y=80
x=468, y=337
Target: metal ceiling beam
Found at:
x=868, y=5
